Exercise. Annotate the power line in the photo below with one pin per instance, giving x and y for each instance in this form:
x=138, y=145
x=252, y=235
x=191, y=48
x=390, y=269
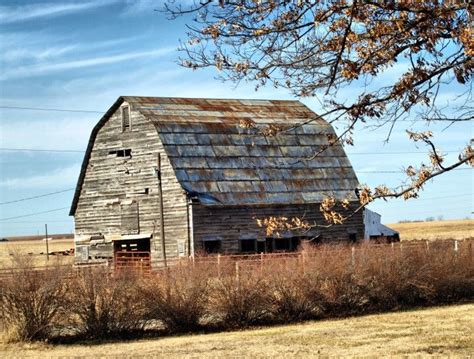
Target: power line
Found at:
x=39, y=196
x=394, y=153
x=400, y=171
x=34, y=214
x=102, y=112
x=349, y=154
x=39, y=222
x=38, y=150
x=49, y=109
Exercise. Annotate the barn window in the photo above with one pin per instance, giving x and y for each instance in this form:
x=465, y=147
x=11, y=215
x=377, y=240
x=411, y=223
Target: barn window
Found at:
x=212, y=246
x=126, y=123
x=288, y=243
x=353, y=237
x=248, y=246
x=122, y=153
x=282, y=244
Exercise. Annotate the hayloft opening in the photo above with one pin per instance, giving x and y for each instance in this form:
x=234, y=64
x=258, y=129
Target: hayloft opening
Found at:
x=122, y=153
x=126, y=125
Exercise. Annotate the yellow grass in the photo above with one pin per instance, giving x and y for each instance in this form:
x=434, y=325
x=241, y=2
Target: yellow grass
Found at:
x=460, y=229
x=34, y=248
x=446, y=331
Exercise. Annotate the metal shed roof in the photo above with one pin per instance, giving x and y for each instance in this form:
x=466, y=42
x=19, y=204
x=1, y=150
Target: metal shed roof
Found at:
x=213, y=153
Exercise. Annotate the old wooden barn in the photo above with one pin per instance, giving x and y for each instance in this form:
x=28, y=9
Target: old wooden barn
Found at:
x=219, y=169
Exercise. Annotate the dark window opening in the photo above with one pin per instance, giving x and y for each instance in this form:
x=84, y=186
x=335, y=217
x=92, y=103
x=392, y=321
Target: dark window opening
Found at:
x=212, y=246
x=282, y=244
x=295, y=242
x=288, y=244
x=353, y=237
x=248, y=245
x=269, y=244
x=126, y=119
x=261, y=247
x=122, y=153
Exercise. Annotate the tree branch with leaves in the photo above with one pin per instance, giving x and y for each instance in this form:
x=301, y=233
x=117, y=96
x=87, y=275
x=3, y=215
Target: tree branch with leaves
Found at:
x=317, y=49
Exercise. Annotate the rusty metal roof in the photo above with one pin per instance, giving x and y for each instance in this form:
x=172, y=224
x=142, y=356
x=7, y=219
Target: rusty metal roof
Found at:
x=213, y=153
x=227, y=164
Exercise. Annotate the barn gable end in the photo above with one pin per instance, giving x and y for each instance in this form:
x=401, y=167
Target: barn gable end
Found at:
x=117, y=196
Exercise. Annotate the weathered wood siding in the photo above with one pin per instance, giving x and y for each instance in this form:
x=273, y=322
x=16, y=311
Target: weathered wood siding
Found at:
x=230, y=224
x=112, y=183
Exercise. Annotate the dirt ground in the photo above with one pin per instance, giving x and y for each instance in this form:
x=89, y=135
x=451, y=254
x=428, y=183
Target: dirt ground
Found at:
x=444, y=331
x=460, y=229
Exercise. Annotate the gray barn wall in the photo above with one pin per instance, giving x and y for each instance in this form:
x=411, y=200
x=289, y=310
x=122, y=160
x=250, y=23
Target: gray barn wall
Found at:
x=231, y=223
x=112, y=181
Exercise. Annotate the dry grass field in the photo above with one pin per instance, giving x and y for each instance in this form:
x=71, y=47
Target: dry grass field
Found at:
x=36, y=248
x=445, y=331
x=460, y=229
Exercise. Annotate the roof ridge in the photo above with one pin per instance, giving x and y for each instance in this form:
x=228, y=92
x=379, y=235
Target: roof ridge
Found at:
x=127, y=98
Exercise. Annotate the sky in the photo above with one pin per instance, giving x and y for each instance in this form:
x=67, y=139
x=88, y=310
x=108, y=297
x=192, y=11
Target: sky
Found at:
x=82, y=55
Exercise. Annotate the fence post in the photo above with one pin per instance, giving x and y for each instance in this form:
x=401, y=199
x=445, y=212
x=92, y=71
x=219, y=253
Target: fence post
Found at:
x=218, y=265
x=303, y=262
x=237, y=270
x=470, y=252
x=456, y=245
x=353, y=257
x=427, y=245
x=261, y=262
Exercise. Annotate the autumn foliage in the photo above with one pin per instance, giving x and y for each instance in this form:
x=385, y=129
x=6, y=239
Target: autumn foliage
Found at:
x=319, y=48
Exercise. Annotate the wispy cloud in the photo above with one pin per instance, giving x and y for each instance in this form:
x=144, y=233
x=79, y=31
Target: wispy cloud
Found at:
x=12, y=14
x=21, y=54
x=47, y=68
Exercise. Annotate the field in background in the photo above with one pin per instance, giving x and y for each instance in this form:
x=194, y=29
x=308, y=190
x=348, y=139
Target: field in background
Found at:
x=446, y=331
x=460, y=229
x=36, y=247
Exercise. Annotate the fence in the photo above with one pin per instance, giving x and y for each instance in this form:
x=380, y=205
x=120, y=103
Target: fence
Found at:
x=220, y=264
x=347, y=255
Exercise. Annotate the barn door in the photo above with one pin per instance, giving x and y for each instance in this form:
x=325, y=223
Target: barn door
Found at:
x=130, y=218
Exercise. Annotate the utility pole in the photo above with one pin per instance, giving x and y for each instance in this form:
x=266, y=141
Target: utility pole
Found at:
x=160, y=203
x=46, y=239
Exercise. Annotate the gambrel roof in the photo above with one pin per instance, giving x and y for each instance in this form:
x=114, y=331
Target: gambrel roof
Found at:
x=219, y=150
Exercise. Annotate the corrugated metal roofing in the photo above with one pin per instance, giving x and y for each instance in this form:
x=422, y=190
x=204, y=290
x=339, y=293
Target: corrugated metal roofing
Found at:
x=212, y=153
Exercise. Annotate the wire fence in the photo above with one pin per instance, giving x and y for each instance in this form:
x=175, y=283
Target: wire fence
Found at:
x=234, y=264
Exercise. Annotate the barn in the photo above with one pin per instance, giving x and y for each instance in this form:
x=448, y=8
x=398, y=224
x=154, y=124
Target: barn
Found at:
x=179, y=176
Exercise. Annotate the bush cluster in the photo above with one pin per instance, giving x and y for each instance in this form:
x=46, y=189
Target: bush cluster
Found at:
x=320, y=282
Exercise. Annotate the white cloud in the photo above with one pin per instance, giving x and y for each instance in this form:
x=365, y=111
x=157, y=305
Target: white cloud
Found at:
x=60, y=178
x=36, y=54
x=10, y=14
x=47, y=68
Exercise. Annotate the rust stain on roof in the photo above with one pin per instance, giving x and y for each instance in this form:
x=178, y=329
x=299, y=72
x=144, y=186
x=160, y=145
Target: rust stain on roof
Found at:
x=212, y=152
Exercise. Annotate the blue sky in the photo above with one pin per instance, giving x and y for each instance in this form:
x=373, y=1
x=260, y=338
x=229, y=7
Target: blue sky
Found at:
x=83, y=55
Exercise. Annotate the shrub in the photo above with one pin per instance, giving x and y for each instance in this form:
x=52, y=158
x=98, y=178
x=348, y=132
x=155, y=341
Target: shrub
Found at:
x=177, y=297
x=105, y=303
x=32, y=301
x=294, y=295
x=240, y=300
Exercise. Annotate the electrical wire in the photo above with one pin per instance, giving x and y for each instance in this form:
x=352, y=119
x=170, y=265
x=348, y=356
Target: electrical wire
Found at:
x=39, y=196
x=34, y=214
x=49, y=109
